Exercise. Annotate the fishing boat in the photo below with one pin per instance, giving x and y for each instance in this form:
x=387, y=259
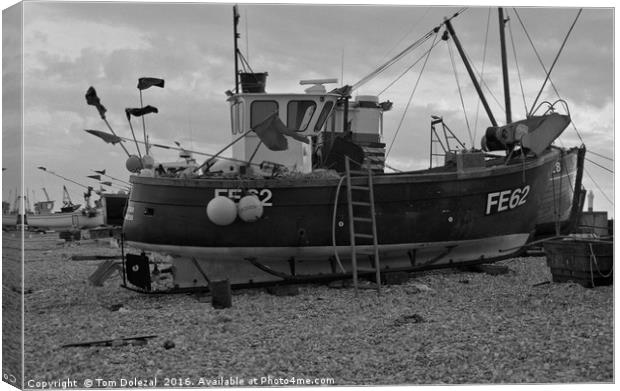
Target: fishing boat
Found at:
x=70, y=215
x=10, y=213
x=320, y=203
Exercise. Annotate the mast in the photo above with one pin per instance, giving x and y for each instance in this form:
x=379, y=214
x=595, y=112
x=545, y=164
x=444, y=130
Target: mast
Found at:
x=502, y=38
x=471, y=72
x=236, y=37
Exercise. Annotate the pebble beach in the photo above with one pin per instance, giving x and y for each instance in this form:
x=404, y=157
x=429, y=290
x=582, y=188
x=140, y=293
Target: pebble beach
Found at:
x=439, y=327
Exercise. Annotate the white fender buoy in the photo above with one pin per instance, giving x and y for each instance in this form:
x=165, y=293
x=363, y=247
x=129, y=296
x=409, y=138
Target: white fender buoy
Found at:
x=133, y=163
x=250, y=208
x=222, y=210
x=148, y=161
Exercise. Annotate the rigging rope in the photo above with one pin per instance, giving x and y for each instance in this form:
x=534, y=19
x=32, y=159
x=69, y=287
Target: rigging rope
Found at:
x=598, y=187
x=392, y=61
x=555, y=61
x=551, y=81
x=540, y=61
x=596, y=164
x=514, y=53
x=409, y=68
x=602, y=156
x=410, y=98
x=471, y=140
x=404, y=52
x=413, y=26
x=483, y=83
x=484, y=57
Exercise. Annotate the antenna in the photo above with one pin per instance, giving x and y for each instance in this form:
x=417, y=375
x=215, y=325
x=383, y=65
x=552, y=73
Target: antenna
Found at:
x=342, y=66
x=247, y=35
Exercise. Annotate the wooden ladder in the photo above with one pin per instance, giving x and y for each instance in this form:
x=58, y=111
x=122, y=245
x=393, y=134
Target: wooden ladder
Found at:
x=366, y=220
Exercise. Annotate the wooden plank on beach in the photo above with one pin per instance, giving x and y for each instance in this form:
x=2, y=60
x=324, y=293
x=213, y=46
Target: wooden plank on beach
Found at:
x=93, y=257
x=104, y=271
x=111, y=342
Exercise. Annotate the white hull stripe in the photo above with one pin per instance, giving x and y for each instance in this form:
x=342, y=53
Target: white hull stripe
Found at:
x=460, y=251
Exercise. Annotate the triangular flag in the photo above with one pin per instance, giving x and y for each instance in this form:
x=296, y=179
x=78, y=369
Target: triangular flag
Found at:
x=102, y=172
x=107, y=137
x=146, y=82
x=96, y=177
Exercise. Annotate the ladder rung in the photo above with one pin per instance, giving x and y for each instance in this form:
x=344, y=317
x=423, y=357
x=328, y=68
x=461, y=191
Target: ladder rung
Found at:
x=358, y=172
x=366, y=236
x=364, y=219
x=362, y=252
x=365, y=188
x=360, y=203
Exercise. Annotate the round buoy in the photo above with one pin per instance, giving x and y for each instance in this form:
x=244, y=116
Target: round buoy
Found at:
x=250, y=208
x=133, y=163
x=148, y=161
x=222, y=210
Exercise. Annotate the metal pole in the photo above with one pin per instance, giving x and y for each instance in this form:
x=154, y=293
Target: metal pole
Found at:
x=502, y=38
x=236, y=37
x=146, y=143
x=471, y=72
x=345, y=117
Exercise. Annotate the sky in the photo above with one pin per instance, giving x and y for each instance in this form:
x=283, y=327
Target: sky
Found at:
x=69, y=46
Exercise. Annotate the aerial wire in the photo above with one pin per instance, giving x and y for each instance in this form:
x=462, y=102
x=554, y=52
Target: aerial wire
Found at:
x=458, y=84
x=409, y=101
x=514, y=53
x=555, y=60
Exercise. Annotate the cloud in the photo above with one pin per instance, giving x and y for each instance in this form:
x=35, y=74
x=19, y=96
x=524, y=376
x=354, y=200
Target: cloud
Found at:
x=71, y=46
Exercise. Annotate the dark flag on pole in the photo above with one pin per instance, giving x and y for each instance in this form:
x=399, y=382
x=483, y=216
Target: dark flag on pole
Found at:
x=270, y=136
x=139, y=112
x=107, y=137
x=93, y=100
x=96, y=177
x=146, y=82
x=272, y=131
x=288, y=132
x=102, y=172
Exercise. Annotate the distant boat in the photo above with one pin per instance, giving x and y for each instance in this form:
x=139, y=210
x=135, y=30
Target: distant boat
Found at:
x=43, y=218
x=564, y=198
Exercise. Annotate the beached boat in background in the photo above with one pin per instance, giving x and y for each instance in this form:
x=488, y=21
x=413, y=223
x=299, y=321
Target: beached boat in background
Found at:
x=564, y=198
x=44, y=218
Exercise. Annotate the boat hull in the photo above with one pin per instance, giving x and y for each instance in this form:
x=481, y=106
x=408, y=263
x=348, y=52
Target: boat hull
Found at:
x=58, y=221
x=563, y=199
x=433, y=217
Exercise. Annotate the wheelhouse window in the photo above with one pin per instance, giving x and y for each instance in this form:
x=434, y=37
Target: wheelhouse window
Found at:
x=327, y=108
x=236, y=117
x=260, y=110
x=299, y=114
